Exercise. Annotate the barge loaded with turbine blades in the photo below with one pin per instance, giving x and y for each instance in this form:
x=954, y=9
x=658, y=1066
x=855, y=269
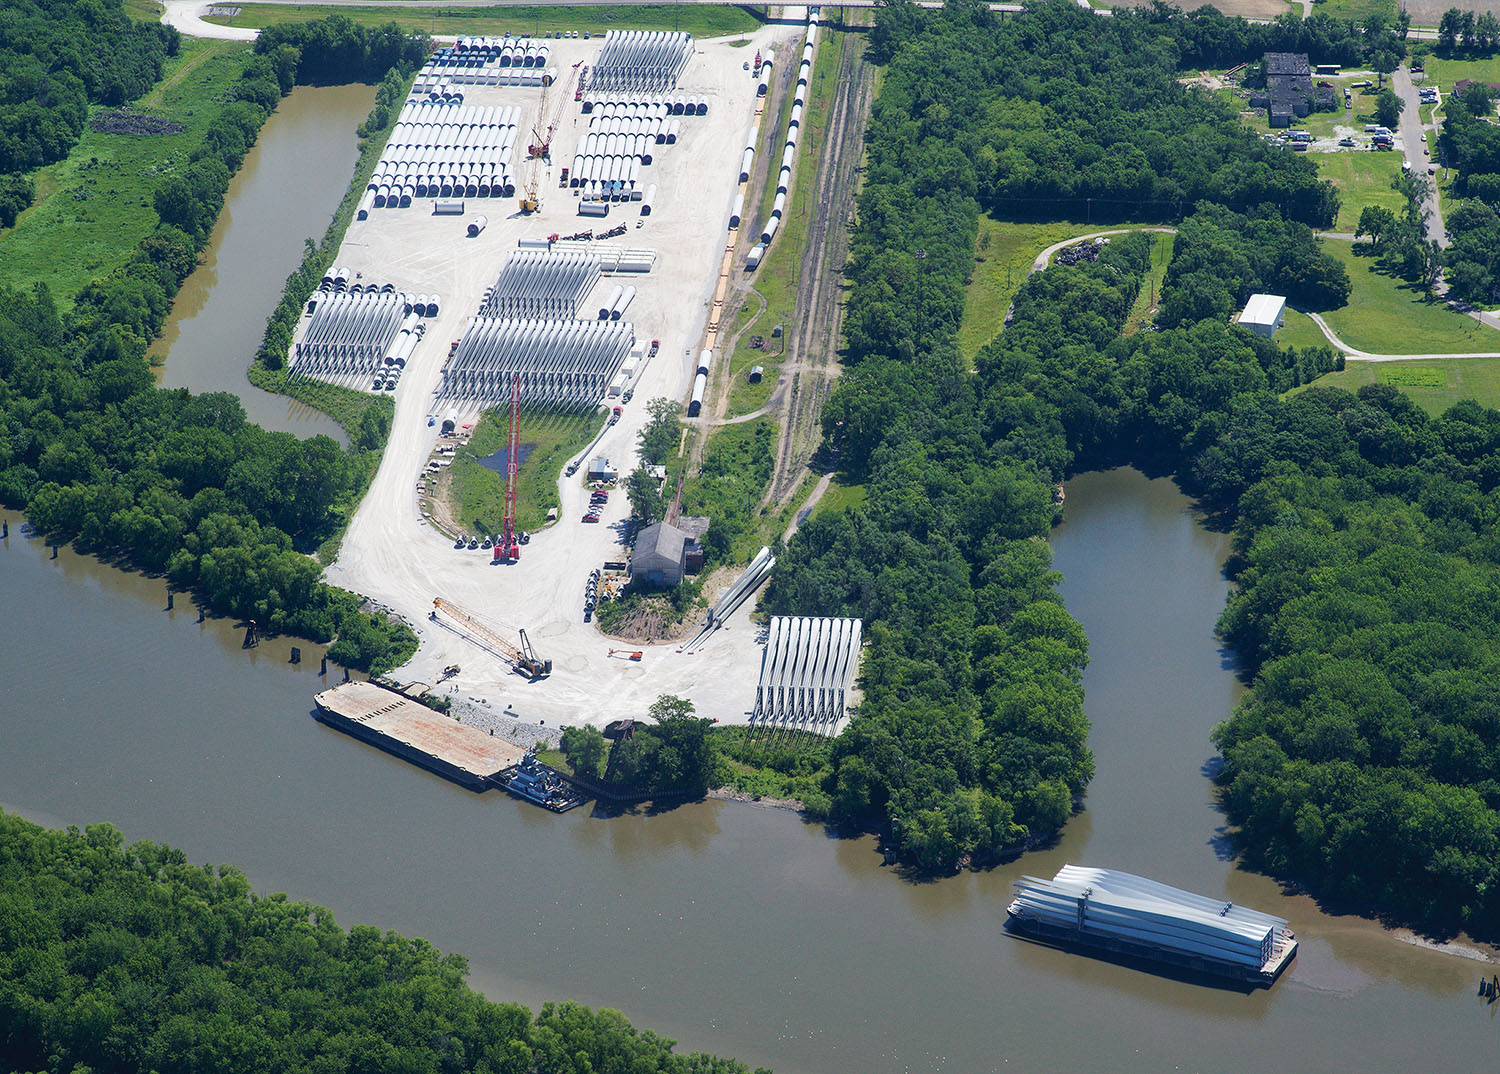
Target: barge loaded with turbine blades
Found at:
x=1131, y=916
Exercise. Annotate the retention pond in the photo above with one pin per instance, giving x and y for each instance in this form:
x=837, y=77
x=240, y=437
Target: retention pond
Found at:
x=731, y=928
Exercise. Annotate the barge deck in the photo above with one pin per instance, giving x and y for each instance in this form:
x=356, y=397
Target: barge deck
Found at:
x=1132, y=918
x=410, y=730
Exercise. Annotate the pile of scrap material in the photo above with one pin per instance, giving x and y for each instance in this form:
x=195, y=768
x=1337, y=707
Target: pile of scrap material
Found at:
x=1128, y=913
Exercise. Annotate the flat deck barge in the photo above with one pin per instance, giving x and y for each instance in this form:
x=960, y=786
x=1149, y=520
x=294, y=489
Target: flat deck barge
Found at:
x=1133, y=917
x=412, y=731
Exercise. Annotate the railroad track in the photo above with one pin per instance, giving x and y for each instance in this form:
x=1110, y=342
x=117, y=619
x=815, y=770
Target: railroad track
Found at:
x=812, y=348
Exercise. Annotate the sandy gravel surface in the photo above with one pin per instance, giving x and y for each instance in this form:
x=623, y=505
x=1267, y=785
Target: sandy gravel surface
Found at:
x=399, y=560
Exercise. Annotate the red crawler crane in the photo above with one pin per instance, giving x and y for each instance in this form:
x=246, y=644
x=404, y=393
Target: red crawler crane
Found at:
x=510, y=548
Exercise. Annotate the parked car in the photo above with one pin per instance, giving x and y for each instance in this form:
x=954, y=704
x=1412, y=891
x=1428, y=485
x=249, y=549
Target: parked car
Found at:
x=591, y=517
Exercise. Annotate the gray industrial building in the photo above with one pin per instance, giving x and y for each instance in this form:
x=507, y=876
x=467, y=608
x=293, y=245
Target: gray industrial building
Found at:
x=1289, y=88
x=660, y=555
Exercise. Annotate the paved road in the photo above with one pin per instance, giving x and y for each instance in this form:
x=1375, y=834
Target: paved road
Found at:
x=1411, y=131
x=187, y=15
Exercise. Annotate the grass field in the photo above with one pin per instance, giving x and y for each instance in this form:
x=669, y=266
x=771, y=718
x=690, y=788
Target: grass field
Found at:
x=776, y=278
x=1003, y=255
x=1386, y=315
x=698, y=20
x=1362, y=178
x=1299, y=331
x=1434, y=384
x=1443, y=72
x=95, y=207
x=480, y=491
x=1145, y=302
x=1353, y=9
x=840, y=497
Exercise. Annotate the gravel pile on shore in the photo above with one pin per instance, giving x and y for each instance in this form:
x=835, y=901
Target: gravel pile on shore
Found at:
x=511, y=726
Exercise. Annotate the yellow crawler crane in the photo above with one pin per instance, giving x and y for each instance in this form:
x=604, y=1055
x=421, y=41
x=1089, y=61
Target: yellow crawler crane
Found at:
x=523, y=656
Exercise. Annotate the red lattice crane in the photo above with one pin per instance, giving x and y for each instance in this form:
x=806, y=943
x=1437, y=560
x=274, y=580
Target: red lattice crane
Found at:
x=510, y=548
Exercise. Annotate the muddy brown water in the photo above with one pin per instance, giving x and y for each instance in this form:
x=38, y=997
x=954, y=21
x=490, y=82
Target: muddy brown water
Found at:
x=729, y=927
x=286, y=192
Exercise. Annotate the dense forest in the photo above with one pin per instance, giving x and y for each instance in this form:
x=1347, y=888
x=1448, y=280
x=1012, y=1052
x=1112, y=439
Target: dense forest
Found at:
x=163, y=481
x=971, y=736
x=131, y=959
x=50, y=72
x=1363, y=761
x=1470, y=143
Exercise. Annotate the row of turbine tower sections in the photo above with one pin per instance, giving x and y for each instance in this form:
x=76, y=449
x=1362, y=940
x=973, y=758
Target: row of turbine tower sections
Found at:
x=619, y=142
x=352, y=337
x=444, y=150
x=530, y=325
x=793, y=133
x=495, y=64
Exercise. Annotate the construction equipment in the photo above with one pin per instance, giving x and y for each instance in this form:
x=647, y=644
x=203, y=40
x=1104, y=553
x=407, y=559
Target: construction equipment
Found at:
x=523, y=656
x=633, y=654
x=541, y=144
x=531, y=196
x=510, y=550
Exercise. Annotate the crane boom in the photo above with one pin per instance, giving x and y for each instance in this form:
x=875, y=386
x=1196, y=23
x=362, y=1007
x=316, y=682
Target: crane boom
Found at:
x=524, y=657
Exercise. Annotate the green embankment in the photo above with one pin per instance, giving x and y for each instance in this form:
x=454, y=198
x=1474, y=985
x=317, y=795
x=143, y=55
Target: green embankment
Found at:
x=1387, y=315
x=94, y=207
x=700, y=20
x=479, y=492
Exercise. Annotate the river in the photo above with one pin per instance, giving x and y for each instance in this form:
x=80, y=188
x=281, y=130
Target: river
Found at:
x=286, y=192
x=732, y=928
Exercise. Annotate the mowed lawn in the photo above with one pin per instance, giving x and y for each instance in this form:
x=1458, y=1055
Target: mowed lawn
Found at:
x=703, y=20
x=1443, y=72
x=1434, y=384
x=1387, y=315
x=93, y=208
x=1299, y=331
x=1363, y=178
